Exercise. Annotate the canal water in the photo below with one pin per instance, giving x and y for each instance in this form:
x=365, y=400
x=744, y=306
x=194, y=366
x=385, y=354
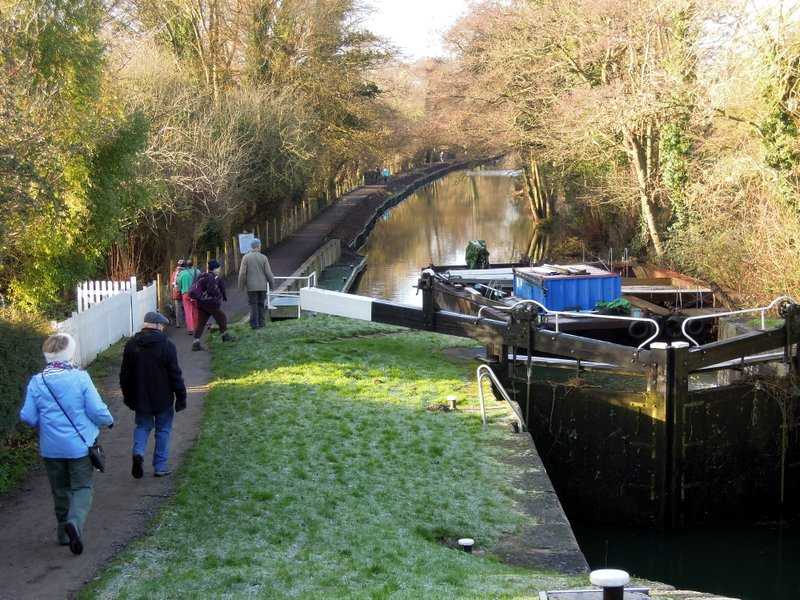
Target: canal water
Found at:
x=433, y=226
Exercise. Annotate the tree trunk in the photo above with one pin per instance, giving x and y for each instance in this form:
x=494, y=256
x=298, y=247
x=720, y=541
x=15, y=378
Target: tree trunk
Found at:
x=539, y=244
x=641, y=152
x=540, y=198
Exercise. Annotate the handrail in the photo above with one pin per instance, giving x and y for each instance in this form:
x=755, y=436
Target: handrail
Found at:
x=761, y=309
x=311, y=281
x=308, y=278
x=499, y=293
x=484, y=371
x=558, y=313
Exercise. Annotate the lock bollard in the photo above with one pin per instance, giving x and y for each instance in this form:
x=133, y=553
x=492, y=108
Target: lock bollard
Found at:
x=466, y=544
x=612, y=581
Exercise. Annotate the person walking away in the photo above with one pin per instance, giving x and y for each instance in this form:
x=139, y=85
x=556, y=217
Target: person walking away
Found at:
x=209, y=293
x=254, y=275
x=177, y=298
x=152, y=386
x=63, y=404
x=385, y=174
x=186, y=280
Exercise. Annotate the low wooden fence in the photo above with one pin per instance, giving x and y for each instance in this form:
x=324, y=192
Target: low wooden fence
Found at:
x=90, y=293
x=105, y=322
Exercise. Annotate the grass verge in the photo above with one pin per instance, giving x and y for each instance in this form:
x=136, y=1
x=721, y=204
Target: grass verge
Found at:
x=320, y=473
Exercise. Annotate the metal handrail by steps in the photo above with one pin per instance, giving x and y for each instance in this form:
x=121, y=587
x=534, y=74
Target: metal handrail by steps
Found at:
x=485, y=371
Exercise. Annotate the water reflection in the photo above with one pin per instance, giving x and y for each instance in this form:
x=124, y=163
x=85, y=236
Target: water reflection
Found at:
x=434, y=226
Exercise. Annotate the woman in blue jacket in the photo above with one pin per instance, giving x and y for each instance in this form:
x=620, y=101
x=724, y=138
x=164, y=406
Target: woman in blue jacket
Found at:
x=65, y=454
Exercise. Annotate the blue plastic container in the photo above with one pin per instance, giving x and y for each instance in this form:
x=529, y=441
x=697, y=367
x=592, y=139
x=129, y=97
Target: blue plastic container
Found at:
x=570, y=292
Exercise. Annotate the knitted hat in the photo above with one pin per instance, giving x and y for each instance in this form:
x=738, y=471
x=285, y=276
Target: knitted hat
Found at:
x=64, y=355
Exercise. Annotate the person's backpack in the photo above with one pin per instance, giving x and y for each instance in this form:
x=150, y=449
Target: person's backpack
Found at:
x=204, y=293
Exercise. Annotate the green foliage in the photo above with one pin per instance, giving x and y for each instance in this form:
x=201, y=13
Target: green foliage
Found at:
x=21, y=339
x=780, y=134
x=63, y=168
x=477, y=255
x=620, y=306
x=675, y=149
x=114, y=193
x=212, y=235
x=18, y=454
x=68, y=239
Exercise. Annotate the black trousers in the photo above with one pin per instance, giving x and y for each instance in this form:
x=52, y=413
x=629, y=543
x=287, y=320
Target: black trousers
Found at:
x=256, y=300
x=204, y=314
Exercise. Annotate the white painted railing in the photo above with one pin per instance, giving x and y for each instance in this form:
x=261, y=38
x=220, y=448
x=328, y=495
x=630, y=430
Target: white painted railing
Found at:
x=90, y=293
x=762, y=310
x=285, y=295
x=107, y=321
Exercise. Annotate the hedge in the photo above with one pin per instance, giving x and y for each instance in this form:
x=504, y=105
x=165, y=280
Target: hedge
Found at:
x=21, y=340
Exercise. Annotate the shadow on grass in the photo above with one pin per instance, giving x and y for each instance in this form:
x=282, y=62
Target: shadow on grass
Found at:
x=319, y=473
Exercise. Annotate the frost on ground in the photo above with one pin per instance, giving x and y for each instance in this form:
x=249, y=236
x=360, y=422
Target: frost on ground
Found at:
x=319, y=473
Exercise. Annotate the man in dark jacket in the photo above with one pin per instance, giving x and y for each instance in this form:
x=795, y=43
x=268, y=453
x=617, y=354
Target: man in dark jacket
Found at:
x=209, y=293
x=152, y=386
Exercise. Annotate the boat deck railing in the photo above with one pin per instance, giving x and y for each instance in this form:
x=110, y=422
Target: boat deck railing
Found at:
x=582, y=315
x=761, y=309
x=484, y=371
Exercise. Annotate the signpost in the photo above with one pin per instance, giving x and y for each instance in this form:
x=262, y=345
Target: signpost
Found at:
x=245, y=239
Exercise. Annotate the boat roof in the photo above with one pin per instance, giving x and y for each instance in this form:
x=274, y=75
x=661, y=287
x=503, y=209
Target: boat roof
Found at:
x=547, y=271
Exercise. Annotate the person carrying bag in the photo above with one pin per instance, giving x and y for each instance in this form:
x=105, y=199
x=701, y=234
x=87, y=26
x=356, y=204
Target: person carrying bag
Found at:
x=63, y=404
x=96, y=455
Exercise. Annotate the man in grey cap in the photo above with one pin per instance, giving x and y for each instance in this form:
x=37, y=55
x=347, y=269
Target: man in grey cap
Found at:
x=152, y=386
x=254, y=274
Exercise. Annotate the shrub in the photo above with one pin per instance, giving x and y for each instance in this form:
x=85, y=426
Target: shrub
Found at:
x=21, y=339
x=20, y=356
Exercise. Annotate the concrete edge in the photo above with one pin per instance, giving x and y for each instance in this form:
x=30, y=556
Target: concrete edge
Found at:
x=546, y=541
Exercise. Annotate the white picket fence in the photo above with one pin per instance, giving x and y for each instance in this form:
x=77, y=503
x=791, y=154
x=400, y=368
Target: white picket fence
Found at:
x=94, y=292
x=103, y=322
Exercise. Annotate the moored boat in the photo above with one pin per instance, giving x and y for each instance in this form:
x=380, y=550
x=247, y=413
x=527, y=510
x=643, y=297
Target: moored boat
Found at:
x=574, y=297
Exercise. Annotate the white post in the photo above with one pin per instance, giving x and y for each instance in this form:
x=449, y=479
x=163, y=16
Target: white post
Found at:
x=132, y=293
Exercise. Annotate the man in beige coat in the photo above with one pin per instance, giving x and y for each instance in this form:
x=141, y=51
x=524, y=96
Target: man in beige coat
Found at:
x=254, y=274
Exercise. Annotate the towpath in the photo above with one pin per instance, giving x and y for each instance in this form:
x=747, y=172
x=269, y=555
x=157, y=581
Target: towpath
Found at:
x=344, y=219
x=32, y=565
